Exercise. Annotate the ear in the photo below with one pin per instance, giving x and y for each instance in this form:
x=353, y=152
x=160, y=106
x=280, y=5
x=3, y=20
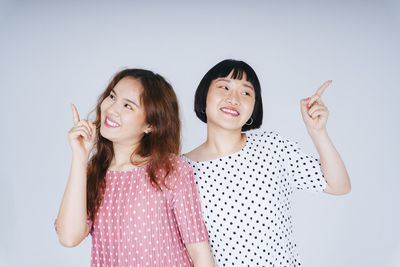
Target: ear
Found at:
x=148, y=129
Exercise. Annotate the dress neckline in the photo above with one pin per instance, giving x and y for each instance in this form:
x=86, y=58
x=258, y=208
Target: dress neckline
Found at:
x=127, y=171
x=223, y=157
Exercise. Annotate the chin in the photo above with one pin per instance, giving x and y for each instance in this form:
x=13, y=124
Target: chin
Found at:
x=106, y=135
x=229, y=126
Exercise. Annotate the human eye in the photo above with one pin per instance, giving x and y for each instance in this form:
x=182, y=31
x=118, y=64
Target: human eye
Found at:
x=224, y=87
x=112, y=97
x=128, y=106
x=246, y=93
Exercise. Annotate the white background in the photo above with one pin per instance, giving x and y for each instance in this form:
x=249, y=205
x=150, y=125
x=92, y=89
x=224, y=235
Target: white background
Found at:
x=53, y=54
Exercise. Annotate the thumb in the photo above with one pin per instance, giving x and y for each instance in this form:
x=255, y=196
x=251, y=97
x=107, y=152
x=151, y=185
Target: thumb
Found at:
x=303, y=105
x=93, y=128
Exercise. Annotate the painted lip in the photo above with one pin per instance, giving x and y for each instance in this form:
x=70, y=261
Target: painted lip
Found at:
x=230, y=111
x=111, y=123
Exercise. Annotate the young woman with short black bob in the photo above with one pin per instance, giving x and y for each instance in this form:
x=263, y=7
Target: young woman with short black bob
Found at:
x=133, y=193
x=246, y=179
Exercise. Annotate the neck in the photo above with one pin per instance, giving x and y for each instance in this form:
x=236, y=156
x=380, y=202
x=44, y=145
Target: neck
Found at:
x=122, y=156
x=222, y=142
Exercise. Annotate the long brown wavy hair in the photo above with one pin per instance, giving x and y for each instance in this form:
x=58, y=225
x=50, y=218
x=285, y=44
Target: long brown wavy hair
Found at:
x=162, y=113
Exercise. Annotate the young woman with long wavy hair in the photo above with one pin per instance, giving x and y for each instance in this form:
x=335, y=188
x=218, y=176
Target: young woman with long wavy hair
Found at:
x=128, y=187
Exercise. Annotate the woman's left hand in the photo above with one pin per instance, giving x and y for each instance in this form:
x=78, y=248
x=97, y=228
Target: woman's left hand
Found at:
x=315, y=113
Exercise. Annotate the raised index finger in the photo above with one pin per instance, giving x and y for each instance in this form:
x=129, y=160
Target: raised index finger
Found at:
x=75, y=114
x=321, y=90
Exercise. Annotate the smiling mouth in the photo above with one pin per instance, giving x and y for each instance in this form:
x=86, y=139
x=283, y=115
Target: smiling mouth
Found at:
x=230, y=111
x=110, y=123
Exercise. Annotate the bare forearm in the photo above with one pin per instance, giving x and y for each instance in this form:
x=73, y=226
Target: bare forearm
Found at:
x=72, y=227
x=202, y=262
x=332, y=165
x=200, y=254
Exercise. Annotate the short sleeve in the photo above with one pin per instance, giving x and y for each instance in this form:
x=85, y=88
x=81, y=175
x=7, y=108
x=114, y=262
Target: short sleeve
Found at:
x=186, y=206
x=303, y=170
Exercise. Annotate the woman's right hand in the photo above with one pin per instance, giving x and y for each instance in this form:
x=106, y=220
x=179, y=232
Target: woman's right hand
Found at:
x=82, y=135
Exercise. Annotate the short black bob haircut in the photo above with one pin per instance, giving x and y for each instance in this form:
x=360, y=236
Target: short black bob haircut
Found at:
x=223, y=69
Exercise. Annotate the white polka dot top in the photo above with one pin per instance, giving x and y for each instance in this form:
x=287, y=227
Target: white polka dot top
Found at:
x=246, y=200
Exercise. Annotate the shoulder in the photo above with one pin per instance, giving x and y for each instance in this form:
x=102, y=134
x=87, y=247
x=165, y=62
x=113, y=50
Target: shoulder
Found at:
x=264, y=136
x=180, y=174
x=181, y=168
x=197, y=154
x=179, y=164
x=183, y=175
x=270, y=140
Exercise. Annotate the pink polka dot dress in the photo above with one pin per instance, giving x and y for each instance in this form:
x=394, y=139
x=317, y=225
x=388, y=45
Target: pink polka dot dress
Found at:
x=137, y=225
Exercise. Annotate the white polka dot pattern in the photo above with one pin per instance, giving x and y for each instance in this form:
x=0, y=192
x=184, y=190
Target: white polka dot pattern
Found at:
x=246, y=200
x=139, y=226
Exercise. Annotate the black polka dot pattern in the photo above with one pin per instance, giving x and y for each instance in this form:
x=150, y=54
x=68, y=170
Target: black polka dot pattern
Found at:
x=245, y=199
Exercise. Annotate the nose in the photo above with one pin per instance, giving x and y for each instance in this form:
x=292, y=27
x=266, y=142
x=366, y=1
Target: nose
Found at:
x=232, y=97
x=113, y=109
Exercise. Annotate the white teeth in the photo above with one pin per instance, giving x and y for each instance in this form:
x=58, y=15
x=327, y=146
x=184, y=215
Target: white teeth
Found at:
x=230, y=111
x=113, y=124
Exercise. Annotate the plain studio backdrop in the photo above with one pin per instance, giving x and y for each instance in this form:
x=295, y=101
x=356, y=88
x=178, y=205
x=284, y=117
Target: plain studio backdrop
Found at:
x=56, y=53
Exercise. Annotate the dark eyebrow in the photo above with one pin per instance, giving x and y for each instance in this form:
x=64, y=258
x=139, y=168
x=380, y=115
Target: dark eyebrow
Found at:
x=130, y=101
x=228, y=81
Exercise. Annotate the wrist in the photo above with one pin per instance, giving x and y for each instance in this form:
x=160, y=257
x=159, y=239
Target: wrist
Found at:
x=80, y=158
x=318, y=134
